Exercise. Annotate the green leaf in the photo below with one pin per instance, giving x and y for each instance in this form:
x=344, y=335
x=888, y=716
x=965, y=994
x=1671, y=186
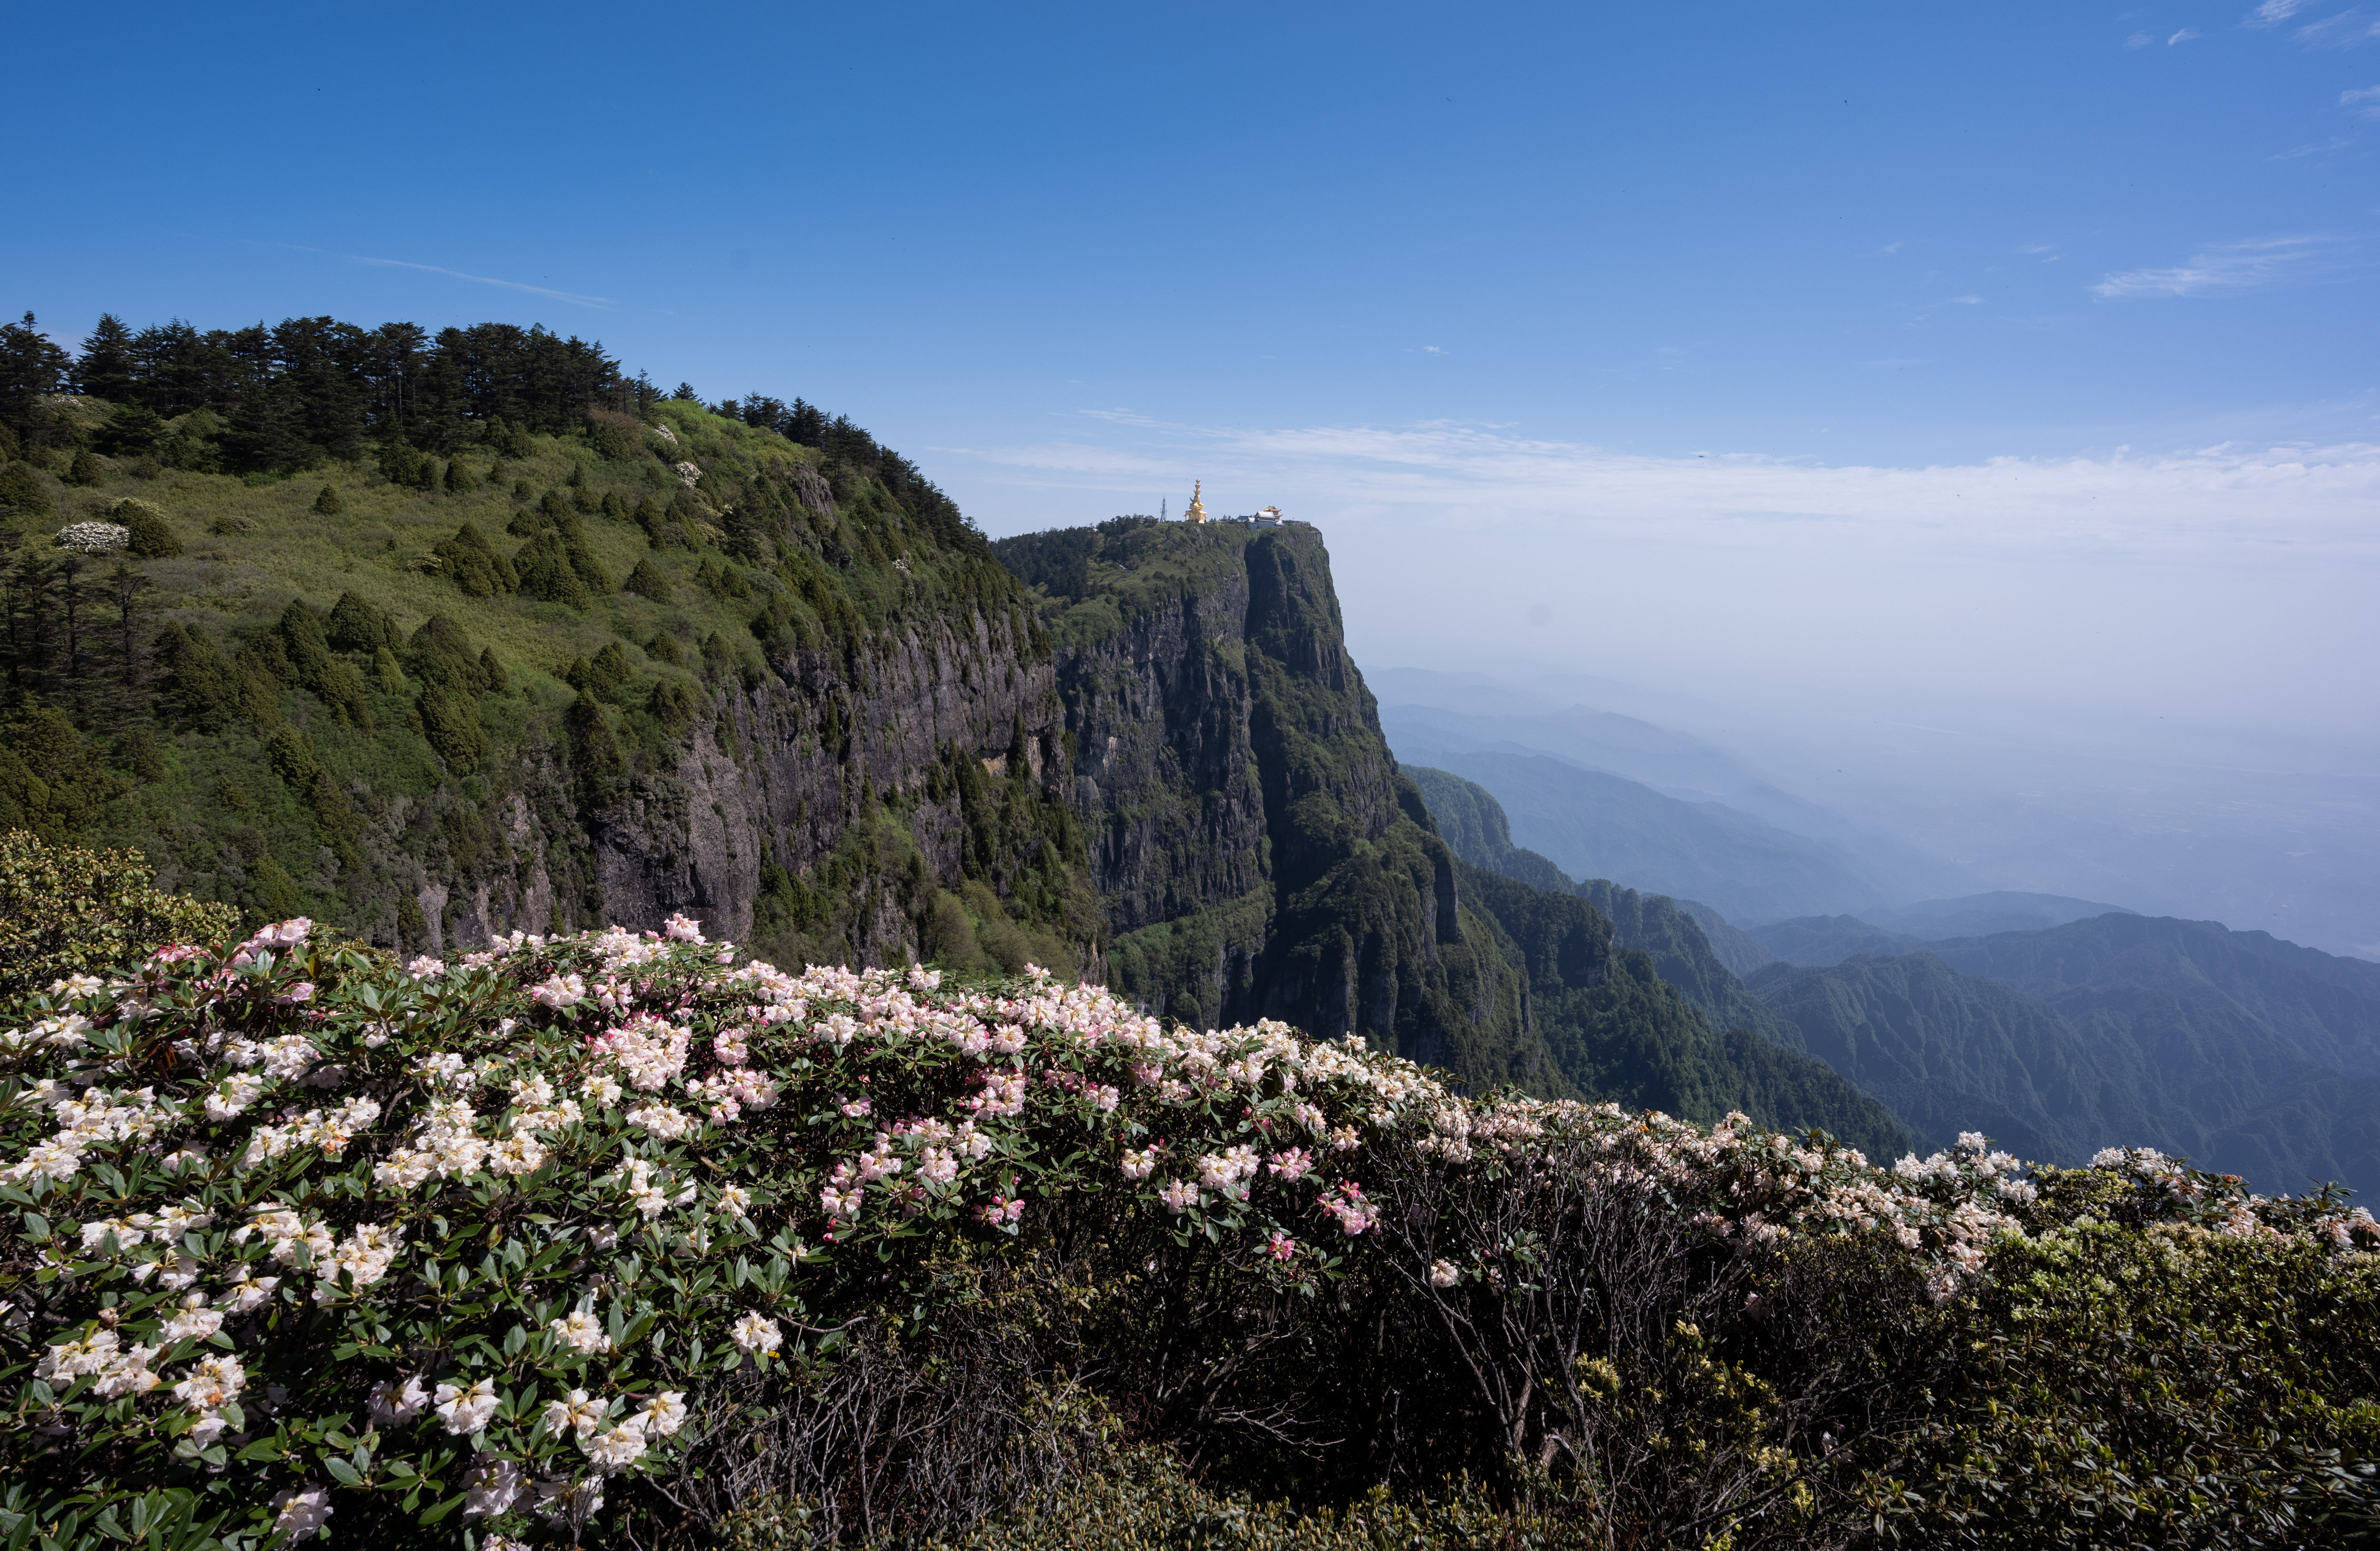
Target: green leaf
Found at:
x=440, y=1511
x=341, y=1472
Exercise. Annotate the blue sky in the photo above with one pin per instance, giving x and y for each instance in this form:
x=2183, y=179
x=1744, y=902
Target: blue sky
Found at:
x=2019, y=350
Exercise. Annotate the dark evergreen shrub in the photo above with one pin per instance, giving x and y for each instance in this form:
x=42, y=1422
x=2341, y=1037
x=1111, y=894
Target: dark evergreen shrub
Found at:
x=152, y=538
x=473, y=564
x=356, y=625
x=647, y=581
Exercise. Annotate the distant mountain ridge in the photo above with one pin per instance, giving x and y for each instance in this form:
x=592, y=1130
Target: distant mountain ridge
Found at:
x=2243, y=1052
x=1763, y=1051
x=2235, y=1050
x=1593, y=825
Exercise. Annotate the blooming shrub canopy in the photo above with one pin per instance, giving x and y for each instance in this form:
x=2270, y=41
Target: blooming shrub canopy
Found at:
x=94, y=537
x=304, y=1235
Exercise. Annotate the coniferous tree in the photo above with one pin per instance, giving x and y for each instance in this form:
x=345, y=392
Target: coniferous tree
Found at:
x=105, y=368
x=21, y=494
x=328, y=503
x=132, y=431
x=152, y=536
x=125, y=587
x=647, y=581
x=84, y=470
x=30, y=367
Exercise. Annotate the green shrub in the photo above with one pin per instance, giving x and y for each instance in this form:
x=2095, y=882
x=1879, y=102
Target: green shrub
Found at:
x=152, y=536
x=52, y=780
x=473, y=565
x=756, y=1258
x=68, y=911
x=84, y=468
x=22, y=492
x=356, y=625
x=671, y=705
x=647, y=581
x=328, y=502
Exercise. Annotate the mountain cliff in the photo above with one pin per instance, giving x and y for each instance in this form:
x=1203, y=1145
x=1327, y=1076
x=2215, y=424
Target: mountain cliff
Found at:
x=1259, y=852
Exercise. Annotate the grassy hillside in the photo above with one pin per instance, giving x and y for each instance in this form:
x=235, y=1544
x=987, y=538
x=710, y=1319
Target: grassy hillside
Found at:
x=347, y=691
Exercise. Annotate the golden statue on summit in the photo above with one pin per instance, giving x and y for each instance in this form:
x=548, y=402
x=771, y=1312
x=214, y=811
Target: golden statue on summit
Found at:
x=1198, y=508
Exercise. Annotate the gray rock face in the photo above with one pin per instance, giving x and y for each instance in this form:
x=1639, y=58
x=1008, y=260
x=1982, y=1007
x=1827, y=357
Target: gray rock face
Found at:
x=782, y=771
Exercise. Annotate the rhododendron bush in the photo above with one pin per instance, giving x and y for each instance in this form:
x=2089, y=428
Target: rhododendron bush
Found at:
x=603, y=1236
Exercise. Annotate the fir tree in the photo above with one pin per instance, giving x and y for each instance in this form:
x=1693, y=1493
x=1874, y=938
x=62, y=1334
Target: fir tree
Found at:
x=30, y=367
x=84, y=470
x=105, y=367
x=328, y=502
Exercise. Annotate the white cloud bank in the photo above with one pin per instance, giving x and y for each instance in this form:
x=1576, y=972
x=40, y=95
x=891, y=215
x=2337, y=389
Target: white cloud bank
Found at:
x=2228, y=582
x=2232, y=498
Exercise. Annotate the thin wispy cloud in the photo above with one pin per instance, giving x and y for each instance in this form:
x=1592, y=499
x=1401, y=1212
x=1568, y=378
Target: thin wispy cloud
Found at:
x=574, y=300
x=2229, y=266
x=2272, y=13
x=2337, y=142
x=2344, y=30
x=2139, y=40
x=2181, y=37
x=2365, y=102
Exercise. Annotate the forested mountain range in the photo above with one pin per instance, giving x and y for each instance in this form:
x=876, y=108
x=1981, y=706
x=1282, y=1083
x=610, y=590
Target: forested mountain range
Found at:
x=434, y=638
x=2240, y=1051
x=1830, y=939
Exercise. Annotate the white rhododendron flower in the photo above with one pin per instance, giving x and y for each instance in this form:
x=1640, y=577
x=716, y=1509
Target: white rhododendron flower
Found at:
x=466, y=1408
x=617, y=1449
x=577, y=1411
x=397, y=1402
x=756, y=1333
x=301, y=1511
x=494, y=1485
x=213, y=1382
x=664, y=1414
x=581, y=1332
x=1444, y=1273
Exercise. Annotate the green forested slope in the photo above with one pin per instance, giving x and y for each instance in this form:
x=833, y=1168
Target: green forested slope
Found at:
x=2184, y=1068
x=1700, y=1039
x=1474, y=825
x=2327, y=1006
x=433, y=640
x=1621, y=1031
